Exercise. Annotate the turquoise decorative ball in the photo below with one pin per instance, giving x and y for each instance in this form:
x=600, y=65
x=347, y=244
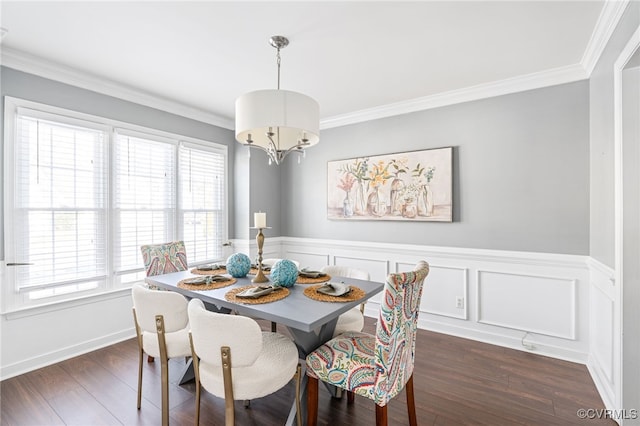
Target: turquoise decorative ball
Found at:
x=284, y=273
x=238, y=265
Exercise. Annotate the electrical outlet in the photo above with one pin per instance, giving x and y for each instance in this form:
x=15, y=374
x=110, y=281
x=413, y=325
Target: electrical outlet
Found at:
x=460, y=302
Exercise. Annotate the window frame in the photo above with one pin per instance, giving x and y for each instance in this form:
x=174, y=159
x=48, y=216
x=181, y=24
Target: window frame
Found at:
x=12, y=299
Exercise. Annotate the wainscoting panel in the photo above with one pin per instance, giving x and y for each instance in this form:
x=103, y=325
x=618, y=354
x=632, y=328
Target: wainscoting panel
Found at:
x=604, y=338
x=446, y=292
x=312, y=261
x=537, y=304
x=602, y=317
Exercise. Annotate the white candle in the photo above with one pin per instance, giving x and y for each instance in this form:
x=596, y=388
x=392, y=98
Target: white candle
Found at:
x=260, y=220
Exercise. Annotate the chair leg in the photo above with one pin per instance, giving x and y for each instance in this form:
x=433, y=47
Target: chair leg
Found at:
x=140, y=356
x=350, y=397
x=229, y=414
x=381, y=415
x=274, y=327
x=312, y=401
x=197, y=402
x=298, y=378
x=140, y=378
x=196, y=371
x=164, y=369
x=411, y=403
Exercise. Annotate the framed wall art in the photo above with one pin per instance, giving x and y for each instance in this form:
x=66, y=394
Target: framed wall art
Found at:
x=413, y=186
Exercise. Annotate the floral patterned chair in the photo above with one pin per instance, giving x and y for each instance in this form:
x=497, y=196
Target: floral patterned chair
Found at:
x=377, y=367
x=164, y=258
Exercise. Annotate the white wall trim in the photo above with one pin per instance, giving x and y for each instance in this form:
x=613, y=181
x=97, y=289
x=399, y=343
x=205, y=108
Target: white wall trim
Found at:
x=607, y=22
x=532, y=81
x=438, y=311
x=619, y=238
x=569, y=305
x=62, y=354
x=28, y=63
x=603, y=329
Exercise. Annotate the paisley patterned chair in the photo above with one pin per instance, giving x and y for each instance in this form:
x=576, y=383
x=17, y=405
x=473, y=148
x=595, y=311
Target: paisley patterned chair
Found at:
x=377, y=367
x=164, y=258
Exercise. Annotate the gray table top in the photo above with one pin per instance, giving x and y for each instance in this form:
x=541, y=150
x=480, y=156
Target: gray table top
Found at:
x=295, y=311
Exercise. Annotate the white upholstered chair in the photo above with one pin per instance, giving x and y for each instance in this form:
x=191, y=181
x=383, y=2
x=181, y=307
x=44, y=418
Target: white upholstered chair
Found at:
x=162, y=328
x=352, y=320
x=235, y=360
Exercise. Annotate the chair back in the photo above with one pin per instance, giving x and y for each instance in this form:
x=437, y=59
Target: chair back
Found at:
x=210, y=331
x=164, y=258
x=149, y=303
x=396, y=332
x=345, y=271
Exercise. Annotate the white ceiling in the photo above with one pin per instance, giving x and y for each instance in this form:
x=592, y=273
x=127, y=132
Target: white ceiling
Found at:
x=351, y=57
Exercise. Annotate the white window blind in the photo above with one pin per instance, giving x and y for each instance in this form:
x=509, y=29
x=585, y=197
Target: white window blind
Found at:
x=144, y=197
x=59, y=219
x=83, y=193
x=202, y=202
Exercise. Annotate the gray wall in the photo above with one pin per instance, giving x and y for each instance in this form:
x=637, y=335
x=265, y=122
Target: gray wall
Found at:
x=30, y=87
x=521, y=173
x=257, y=189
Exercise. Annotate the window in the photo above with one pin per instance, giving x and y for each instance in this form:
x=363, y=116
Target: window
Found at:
x=83, y=194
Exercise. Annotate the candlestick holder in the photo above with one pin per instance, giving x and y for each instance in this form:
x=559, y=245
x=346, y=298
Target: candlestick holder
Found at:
x=260, y=278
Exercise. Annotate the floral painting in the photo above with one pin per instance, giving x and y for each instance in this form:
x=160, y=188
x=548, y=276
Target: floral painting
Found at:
x=414, y=186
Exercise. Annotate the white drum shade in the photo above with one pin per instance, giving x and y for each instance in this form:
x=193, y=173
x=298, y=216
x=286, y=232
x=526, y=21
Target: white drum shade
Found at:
x=291, y=116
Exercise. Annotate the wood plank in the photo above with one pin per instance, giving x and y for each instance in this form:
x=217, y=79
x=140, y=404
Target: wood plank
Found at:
x=22, y=404
x=456, y=382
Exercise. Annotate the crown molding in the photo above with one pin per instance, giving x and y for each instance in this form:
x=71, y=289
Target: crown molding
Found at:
x=537, y=80
x=609, y=17
x=25, y=62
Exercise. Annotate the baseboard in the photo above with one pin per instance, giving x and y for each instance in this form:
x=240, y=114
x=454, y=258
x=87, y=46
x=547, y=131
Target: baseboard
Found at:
x=607, y=393
x=63, y=354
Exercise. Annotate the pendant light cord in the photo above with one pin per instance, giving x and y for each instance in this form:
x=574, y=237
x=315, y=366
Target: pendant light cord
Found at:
x=278, y=62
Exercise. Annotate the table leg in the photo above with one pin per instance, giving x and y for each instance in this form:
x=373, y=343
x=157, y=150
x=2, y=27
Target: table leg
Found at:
x=307, y=342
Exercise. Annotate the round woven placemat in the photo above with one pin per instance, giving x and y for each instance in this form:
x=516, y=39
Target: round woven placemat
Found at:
x=356, y=293
x=307, y=280
x=271, y=297
x=212, y=286
x=209, y=272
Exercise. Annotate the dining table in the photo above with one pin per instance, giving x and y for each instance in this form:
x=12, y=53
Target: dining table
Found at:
x=311, y=322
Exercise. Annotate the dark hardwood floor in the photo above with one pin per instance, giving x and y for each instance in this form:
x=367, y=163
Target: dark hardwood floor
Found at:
x=457, y=381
